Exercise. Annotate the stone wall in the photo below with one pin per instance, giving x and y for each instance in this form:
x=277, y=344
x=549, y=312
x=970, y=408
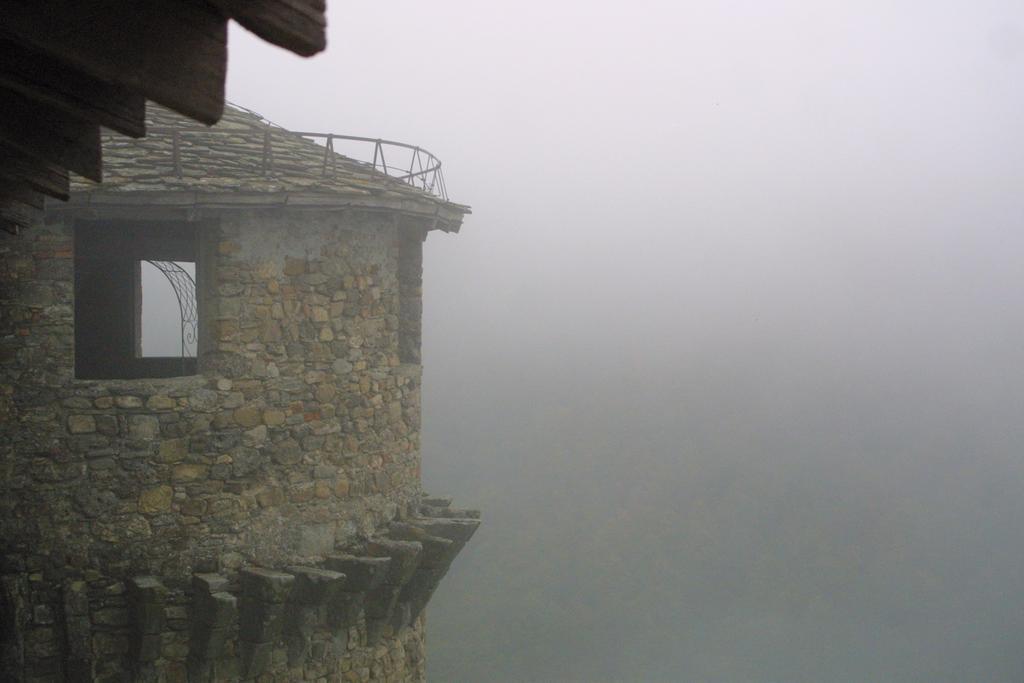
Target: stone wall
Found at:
x=132, y=511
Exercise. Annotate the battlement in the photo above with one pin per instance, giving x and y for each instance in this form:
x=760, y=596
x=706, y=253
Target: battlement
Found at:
x=355, y=615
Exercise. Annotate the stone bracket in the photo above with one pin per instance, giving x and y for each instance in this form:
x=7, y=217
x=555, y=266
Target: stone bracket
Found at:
x=78, y=657
x=262, y=616
x=147, y=597
x=363, y=576
x=214, y=621
x=14, y=618
x=314, y=592
x=382, y=602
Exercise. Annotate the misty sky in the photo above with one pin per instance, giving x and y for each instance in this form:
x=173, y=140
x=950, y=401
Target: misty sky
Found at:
x=809, y=210
x=728, y=165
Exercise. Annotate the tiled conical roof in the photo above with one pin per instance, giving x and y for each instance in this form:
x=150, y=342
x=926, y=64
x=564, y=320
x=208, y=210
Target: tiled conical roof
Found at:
x=247, y=161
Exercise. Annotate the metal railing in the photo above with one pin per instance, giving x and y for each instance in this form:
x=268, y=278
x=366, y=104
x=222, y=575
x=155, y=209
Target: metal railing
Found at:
x=405, y=163
x=184, y=287
x=423, y=172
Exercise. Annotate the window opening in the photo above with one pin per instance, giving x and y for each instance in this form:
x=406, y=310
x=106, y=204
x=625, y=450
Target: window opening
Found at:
x=136, y=299
x=169, y=315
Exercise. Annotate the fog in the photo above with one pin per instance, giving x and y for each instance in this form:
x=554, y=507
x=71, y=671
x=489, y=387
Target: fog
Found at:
x=729, y=352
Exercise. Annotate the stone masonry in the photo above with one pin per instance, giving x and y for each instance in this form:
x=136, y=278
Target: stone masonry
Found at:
x=261, y=519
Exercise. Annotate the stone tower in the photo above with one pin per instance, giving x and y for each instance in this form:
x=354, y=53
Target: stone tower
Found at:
x=248, y=505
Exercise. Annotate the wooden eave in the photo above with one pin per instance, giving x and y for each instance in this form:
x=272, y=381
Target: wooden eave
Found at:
x=68, y=67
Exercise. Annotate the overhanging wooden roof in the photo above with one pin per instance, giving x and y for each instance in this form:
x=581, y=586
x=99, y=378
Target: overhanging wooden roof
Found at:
x=68, y=67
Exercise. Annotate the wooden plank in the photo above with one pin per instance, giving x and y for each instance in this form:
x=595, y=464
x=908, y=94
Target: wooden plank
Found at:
x=49, y=81
x=10, y=225
x=45, y=177
x=15, y=215
x=171, y=51
x=19, y=191
x=296, y=25
x=51, y=135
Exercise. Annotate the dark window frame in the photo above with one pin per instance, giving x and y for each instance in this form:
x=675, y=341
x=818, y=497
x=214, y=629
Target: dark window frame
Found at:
x=108, y=256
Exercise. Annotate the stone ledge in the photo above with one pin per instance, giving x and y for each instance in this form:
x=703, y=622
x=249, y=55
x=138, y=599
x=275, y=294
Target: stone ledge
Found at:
x=258, y=621
x=443, y=216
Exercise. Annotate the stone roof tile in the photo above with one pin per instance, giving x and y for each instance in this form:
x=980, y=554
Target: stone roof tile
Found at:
x=230, y=158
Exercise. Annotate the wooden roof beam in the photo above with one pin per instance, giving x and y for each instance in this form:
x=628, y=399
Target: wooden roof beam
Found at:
x=296, y=25
x=15, y=215
x=42, y=176
x=51, y=135
x=20, y=205
x=21, y=192
x=171, y=51
x=48, y=81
